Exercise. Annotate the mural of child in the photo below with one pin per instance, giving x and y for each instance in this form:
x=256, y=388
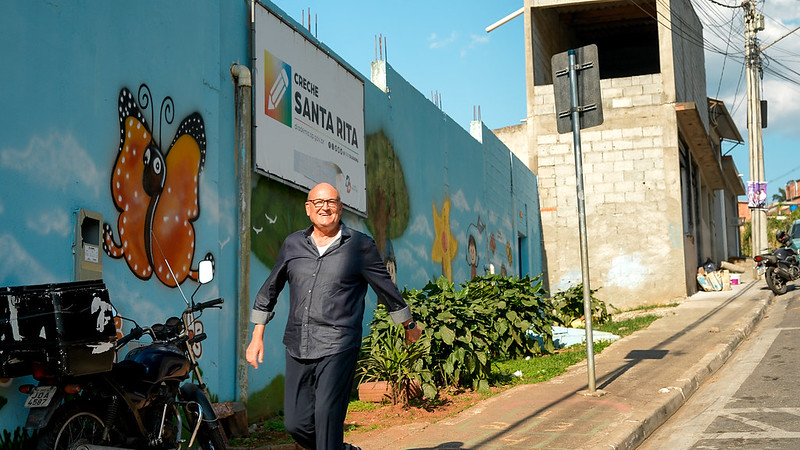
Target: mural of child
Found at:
x=390, y=261
x=472, y=256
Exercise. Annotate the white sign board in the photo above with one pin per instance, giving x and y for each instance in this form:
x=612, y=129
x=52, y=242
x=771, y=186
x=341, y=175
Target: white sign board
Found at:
x=309, y=113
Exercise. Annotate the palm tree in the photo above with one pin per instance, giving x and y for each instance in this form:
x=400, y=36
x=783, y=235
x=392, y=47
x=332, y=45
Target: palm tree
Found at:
x=780, y=197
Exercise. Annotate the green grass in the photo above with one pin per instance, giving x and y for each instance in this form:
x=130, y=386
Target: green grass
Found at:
x=358, y=405
x=625, y=327
x=542, y=368
x=651, y=307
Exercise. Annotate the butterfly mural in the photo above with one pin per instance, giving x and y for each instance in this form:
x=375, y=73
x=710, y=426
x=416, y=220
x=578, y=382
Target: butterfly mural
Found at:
x=156, y=192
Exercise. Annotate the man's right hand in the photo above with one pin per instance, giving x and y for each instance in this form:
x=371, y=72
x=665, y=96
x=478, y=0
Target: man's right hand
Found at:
x=255, y=351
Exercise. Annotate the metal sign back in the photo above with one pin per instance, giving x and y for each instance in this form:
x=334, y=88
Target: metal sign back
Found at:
x=589, y=99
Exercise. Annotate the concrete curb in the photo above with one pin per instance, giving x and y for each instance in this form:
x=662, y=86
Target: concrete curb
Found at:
x=633, y=434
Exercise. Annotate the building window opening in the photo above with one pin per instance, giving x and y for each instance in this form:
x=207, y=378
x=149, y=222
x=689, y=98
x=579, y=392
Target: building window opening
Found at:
x=626, y=35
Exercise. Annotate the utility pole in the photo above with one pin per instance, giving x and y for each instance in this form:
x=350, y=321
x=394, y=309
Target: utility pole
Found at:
x=754, y=22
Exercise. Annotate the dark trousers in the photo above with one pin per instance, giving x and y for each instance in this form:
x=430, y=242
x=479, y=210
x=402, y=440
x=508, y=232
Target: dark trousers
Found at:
x=315, y=398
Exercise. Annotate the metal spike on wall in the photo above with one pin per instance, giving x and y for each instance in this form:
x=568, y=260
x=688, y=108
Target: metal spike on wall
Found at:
x=380, y=47
x=436, y=98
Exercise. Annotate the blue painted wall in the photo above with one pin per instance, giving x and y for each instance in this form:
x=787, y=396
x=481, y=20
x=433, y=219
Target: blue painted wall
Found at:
x=66, y=63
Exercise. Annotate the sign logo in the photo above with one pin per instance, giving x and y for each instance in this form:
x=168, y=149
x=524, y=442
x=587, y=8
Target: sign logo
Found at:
x=277, y=89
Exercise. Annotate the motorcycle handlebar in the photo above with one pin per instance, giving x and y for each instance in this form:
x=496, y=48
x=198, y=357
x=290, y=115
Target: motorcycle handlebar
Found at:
x=135, y=333
x=197, y=338
x=203, y=305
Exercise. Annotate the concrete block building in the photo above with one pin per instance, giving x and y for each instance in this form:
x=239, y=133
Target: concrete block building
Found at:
x=660, y=198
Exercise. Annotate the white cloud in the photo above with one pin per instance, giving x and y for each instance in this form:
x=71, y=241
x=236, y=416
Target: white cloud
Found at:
x=56, y=160
x=413, y=256
x=783, y=109
x=51, y=222
x=437, y=42
x=421, y=226
x=215, y=209
x=474, y=41
x=726, y=79
x=132, y=304
x=19, y=265
x=506, y=222
x=478, y=207
x=459, y=201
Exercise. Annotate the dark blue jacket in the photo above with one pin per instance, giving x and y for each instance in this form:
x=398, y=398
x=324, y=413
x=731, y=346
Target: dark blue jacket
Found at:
x=327, y=292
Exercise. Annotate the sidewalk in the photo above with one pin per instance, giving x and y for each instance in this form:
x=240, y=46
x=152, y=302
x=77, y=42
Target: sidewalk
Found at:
x=645, y=377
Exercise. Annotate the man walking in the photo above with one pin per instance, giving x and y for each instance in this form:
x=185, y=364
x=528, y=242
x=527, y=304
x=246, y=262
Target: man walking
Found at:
x=328, y=267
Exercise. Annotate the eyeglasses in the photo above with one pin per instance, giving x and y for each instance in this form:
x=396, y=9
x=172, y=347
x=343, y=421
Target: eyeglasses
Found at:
x=319, y=203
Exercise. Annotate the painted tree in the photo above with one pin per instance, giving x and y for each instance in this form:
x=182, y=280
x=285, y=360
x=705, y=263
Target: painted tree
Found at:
x=276, y=212
x=387, y=195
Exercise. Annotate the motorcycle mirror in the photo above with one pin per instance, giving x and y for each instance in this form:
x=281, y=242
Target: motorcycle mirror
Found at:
x=205, y=271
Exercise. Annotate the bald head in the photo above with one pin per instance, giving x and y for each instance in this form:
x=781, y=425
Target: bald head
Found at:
x=323, y=190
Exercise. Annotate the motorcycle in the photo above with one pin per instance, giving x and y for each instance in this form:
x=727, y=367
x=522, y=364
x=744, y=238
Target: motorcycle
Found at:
x=142, y=402
x=781, y=266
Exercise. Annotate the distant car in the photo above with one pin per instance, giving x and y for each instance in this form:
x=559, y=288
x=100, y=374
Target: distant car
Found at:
x=795, y=233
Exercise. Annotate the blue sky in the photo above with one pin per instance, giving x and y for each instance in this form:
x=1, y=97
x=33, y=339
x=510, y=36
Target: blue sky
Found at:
x=442, y=49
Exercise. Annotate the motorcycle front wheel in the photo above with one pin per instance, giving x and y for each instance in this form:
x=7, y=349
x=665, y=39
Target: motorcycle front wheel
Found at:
x=775, y=282
x=72, y=424
x=212, y=438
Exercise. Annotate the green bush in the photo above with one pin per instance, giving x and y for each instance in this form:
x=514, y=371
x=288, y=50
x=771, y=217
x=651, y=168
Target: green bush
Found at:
x=385, y=357
x=568, y=306
x=487, y=319
x=466, y=330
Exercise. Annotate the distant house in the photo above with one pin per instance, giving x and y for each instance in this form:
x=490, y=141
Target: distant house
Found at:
x=660, y=198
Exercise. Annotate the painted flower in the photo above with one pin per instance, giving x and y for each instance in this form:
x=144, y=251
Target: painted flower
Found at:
x=444, y=245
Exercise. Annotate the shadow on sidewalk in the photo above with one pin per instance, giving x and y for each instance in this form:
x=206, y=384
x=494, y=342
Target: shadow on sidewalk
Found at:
x=634, y=357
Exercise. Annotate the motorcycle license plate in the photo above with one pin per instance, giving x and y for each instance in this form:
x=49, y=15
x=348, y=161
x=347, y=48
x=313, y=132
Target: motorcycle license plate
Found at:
x=40, y=396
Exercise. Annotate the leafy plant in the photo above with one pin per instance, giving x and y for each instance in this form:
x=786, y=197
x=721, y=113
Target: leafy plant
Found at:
x=20, y=440
x=386, y=357
x=487, y=319
x=568, y=306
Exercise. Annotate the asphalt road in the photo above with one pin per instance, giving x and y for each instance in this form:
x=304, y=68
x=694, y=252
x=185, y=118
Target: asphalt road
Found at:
x=753, y=401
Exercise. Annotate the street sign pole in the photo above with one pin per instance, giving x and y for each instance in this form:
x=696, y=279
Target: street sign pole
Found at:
x=576, y=142
x=584, y=110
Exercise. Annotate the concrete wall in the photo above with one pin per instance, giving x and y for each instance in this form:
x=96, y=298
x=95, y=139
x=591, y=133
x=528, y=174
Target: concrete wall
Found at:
x=450, y=188
x=61, y=150
x=686, y=53
x=639, y=251
x=632, y=194
x=66, y=65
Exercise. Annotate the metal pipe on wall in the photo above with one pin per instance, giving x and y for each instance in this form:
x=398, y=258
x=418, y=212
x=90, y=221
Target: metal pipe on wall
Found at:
x=243, y=121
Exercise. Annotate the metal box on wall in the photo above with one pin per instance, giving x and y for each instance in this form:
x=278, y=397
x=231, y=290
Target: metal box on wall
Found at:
x=87, y=250
x=68, y=327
